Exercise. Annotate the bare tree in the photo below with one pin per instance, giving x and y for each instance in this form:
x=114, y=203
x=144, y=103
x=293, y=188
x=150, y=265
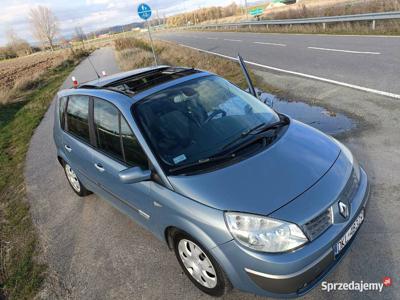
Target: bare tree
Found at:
x=80, y=35
x=44, y=25
x=11, y=35
x=15, y=43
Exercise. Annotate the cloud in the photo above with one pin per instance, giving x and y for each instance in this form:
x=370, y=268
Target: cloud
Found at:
x=89, y=14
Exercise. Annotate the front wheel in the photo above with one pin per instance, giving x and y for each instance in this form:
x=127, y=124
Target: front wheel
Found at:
x=200, y=266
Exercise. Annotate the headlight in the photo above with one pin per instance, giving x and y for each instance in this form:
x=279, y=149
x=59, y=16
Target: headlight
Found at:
x=264, y=234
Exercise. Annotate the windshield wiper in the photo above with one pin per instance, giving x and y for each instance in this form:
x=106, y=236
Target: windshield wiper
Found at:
x=204, y=161
x=261, y=128
x=224, y=155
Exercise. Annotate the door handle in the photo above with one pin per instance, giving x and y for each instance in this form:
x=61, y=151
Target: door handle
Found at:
x=68, y=148
x=99, y=167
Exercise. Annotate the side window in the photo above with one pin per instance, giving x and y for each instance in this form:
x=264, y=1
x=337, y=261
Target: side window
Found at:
x=106, y=125
x=134, y=155
x=77, y=117
x=61, y=111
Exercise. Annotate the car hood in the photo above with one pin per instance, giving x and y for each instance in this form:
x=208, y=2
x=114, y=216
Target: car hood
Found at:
x=268, y=180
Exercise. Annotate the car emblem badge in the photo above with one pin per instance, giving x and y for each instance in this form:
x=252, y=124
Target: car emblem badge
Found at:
x=343, y=209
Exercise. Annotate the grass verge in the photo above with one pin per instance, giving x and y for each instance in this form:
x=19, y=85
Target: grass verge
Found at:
x=135, y=53
x=21, y=275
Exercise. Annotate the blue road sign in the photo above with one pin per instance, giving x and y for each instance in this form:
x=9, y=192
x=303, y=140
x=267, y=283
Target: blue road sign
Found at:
x=144, y=11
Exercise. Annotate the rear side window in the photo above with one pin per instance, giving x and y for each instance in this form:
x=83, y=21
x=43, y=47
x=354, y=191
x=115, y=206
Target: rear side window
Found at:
x=78, y=117
x=61, y=111
x=106, y=124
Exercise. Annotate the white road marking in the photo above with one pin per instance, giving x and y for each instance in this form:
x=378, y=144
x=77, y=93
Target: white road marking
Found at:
x=346, y=51
x=272, y=44
x=349, y=85
x=212, y=38
x=230, y=40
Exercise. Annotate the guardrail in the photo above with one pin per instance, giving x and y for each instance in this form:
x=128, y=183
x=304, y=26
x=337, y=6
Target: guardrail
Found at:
x=373, y=17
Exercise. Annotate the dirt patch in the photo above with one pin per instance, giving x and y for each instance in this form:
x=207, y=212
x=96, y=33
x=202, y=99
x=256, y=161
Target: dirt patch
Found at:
x=13, y=69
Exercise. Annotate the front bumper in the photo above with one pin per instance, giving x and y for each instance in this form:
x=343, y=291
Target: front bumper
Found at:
x=289, y=274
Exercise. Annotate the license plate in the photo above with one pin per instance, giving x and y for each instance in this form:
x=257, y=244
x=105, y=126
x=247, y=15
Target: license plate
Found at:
x=349, y=233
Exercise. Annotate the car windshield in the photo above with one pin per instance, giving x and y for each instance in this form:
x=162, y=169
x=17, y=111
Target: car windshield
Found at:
x=196, y=119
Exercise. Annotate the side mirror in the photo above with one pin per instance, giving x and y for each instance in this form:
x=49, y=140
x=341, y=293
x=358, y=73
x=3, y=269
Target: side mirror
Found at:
x=134, y=175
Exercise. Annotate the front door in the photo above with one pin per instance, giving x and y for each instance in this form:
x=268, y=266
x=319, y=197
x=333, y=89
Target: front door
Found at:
x=117, y=149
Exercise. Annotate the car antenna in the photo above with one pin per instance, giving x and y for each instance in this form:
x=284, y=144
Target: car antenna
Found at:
x=97, y=74
x=247, y=76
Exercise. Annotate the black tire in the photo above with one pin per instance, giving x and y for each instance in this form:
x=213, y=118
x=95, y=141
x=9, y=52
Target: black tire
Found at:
x=76, y=185
x=223, y=285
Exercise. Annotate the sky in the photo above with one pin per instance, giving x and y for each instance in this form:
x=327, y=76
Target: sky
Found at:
x=89, y=14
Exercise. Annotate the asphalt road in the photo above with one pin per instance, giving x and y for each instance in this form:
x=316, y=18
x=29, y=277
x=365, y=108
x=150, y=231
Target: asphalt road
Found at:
x=368, y=62
x=95, y=252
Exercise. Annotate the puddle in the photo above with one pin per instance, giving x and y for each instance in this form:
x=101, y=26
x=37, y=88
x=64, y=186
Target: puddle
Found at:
x=325, y=120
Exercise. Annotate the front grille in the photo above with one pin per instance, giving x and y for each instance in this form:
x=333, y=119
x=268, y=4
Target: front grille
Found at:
x=318, y=225
x=322, y=222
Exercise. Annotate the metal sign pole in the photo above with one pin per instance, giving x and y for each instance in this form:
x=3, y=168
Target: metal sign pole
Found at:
x=152, y=45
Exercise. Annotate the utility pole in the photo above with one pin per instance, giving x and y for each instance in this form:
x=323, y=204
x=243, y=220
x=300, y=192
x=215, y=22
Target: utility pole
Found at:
x=151, y=41
x=245, y=9
x=184, y=7
x=158, y=18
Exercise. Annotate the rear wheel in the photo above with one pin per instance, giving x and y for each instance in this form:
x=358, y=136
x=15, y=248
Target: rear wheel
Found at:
x=74, y=181
x=201, y=268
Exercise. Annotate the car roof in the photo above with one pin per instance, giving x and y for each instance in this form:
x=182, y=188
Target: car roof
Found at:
x=144, y=82
x=133, y=82
x=106, y=80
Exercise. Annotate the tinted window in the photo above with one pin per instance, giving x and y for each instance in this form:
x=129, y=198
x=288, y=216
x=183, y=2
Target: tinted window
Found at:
x=77, y=116
x=106, y=124
x=61, y=111
x=134, y=154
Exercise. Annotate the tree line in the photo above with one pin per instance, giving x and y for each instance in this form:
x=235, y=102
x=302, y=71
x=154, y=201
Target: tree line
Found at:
x=205, y=14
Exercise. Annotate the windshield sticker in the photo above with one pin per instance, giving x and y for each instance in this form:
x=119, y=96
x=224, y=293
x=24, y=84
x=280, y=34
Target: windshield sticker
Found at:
x=179, y=158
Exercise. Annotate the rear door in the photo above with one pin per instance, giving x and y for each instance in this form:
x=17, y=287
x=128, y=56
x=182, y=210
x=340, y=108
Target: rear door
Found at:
x=76, y=137
x=117, y=149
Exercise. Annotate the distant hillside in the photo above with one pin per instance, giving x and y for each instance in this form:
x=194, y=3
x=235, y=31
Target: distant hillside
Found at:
x=118, y=28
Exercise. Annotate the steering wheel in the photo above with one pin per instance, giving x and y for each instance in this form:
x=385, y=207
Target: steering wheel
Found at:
x=215, y=113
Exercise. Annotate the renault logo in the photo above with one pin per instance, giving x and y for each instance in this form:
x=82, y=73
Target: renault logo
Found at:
x=343, y=209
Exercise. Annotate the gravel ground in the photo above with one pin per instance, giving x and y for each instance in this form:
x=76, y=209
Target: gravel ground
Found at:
x=95, y=252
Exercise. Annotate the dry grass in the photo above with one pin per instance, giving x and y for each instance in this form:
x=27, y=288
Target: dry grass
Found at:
x=136, y=53
x=134, y=58
x=21, y=86
x=5, y=95
x=384, y=27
